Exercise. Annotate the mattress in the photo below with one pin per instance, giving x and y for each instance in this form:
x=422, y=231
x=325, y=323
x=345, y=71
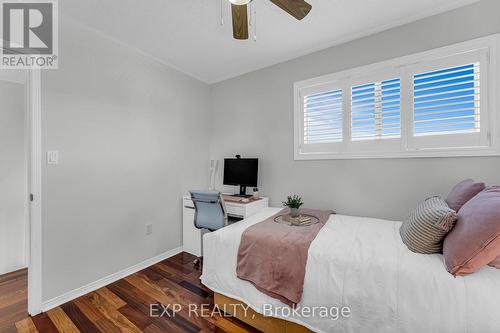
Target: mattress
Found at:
x=360, y=264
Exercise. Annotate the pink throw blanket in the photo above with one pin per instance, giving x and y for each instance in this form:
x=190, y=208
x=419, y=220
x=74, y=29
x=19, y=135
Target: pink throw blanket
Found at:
x=273, y=256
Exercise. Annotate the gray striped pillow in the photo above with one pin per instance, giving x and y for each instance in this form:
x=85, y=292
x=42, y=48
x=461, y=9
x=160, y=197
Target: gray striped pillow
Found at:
x=426, y=227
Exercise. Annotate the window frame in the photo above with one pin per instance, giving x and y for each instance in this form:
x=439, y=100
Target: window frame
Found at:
x=378, y=145
x=332, y=146
x=408, y=146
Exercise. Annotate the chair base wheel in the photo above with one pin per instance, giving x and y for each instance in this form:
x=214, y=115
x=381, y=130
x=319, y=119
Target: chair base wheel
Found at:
x=197, y=262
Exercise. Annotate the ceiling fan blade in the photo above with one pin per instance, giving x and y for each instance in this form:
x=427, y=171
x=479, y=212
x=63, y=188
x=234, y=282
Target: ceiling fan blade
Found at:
x=240, y=21
x=297, y=8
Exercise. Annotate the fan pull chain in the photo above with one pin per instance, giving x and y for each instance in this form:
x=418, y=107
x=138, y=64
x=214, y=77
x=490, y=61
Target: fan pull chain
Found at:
x=250, y=12
x=254, y=22
x=222, y=12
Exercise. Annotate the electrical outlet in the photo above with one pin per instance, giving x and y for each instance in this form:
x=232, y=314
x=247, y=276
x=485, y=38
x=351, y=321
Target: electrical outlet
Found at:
x=149, y=229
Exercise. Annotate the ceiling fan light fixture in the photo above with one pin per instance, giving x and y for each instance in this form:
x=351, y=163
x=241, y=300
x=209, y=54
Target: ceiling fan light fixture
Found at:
x=240, y=10
x=239, y=2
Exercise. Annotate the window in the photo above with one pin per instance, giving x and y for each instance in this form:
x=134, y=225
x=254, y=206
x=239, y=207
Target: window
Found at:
x=436, y=103
x=323, y=117
x=447, y=101
x=376, y=110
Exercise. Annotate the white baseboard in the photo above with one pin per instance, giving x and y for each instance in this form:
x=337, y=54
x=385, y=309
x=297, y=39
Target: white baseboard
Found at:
x=71, y=295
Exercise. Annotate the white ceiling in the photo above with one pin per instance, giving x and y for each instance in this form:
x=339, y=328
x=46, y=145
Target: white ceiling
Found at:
x=187, y=34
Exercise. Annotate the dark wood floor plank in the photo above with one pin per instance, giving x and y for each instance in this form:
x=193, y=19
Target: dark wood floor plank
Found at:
x=167, y=273
x=152, y=290
x=184, y=269
x=19, y=274
x=183, y=258
x=61, y=321
x=12, y=314
x=178, y=293
x=15, y=286
x=44, y=324
x=136, y=317
x=84, y=324
x=26, y=326
x=193, y=278
x=185, y=299
x=151, y=274
x=194, y=289
x=131, y=295
x=166, y=327
x=183, y=323
x=153, y=329
x=141, y=301
x=115, y=301
x=13, y=300
x=99, y=320
x=110, y=312
x=170, y=295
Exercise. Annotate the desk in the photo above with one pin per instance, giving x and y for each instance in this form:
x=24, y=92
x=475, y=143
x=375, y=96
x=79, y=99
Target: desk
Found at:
x=236, y=209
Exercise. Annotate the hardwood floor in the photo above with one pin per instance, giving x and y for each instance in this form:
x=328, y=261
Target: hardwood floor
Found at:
x=13, y=299
x=171, y=286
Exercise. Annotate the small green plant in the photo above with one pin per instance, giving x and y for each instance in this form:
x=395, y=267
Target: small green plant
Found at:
x=293, y=201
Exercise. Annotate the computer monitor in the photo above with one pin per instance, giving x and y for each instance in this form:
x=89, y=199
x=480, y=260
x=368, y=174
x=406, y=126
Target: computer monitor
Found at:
x=242, y=172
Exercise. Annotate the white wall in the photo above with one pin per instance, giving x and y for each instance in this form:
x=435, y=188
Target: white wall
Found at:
x=253, y=116
x=132, y=135
x=12, y=176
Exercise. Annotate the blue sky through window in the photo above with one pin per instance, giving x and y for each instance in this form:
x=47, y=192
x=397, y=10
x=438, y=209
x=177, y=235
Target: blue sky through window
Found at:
x=376, y=110
x=447, y=101
x=323, y=117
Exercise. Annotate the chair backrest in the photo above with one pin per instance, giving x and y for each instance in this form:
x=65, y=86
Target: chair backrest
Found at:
x=210, y=210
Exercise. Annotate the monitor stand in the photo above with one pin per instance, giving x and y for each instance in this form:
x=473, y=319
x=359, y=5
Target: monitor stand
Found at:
x=243, y=192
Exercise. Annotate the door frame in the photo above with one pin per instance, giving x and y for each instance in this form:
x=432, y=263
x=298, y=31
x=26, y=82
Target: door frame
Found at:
x=34, y=130
x=33, y=188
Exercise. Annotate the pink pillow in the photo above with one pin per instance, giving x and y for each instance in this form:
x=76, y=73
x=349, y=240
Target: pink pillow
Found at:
x=463, y=192
x=474, y=242
x=495, y=263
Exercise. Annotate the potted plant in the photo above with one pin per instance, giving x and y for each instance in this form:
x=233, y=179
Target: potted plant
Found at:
x=293, y=202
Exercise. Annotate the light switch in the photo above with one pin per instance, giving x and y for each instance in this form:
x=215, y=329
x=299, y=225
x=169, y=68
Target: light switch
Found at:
x=53, y=157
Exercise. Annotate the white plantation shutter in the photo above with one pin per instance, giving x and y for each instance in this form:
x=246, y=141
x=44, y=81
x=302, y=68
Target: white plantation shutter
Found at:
x=433, y=104
x=376, y=110
x=447, y=101
x=323, y=114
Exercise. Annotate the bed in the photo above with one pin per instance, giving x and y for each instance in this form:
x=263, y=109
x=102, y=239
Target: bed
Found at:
x=362, y=263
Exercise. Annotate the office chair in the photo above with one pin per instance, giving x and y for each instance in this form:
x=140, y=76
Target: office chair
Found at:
x=210, y=214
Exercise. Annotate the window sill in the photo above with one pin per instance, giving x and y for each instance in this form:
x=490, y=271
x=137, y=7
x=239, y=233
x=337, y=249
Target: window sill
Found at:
x=420, y=153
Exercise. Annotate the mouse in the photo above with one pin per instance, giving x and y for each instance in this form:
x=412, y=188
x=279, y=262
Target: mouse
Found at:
x=245, y=200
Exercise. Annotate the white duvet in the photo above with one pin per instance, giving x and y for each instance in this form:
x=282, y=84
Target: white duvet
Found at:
x=361, y=263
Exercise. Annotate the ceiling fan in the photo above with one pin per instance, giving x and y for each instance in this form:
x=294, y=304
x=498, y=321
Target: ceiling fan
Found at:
x=297, y=8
